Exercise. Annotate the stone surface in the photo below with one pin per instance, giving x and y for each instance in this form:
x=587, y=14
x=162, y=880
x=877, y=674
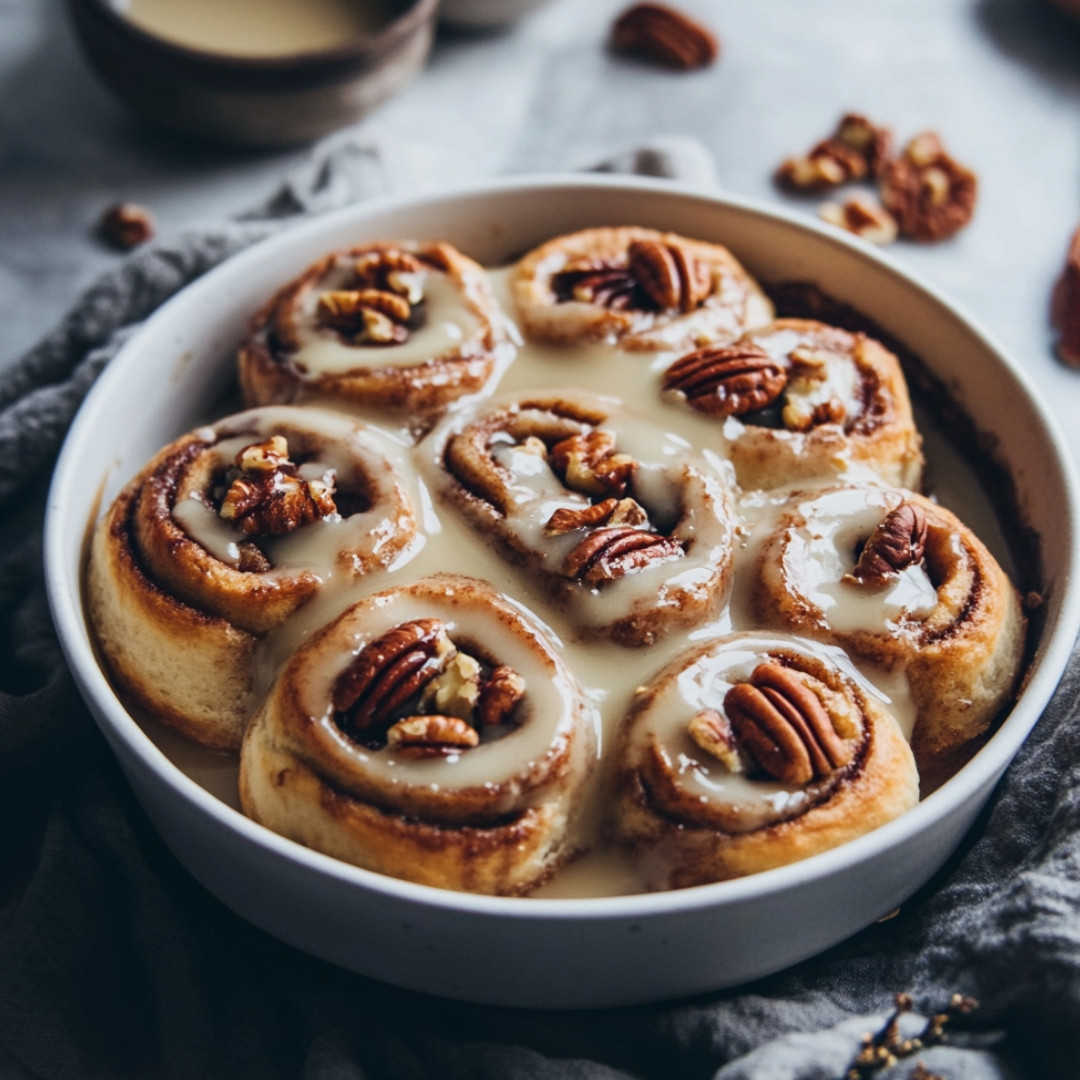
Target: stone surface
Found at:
x=999, y=79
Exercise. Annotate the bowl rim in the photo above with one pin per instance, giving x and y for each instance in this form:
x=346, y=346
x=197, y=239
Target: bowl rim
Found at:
x=984, y=769
x=361, y=49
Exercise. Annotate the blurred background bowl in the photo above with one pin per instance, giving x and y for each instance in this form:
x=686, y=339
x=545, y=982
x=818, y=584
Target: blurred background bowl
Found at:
x=278, y=99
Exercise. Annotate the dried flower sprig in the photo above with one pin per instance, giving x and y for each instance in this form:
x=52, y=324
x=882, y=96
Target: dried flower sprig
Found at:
x=886, y=1047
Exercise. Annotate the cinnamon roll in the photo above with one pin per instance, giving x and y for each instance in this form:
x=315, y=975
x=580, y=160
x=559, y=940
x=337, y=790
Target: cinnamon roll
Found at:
x=430, y=733
x=219, y=540
x=799, y=399
x=752, y=752
x=397, y=325
x=642, y=289
x=627, y=528
x=901, y=582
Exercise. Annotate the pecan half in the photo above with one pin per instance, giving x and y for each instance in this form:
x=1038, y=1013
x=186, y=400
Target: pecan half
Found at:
x=898, y=542
x=862, y=216
x=268, y=498
x=727, y=380
x=588, y=463
x=431, y=736
x=665, y=36
x=500, y=694
x=607, y=554
x=608, y=512
x=1065, y=308
x=931, y=195
x=669, y=274
x=388, y=671
x=782, y=724
x=601, y=282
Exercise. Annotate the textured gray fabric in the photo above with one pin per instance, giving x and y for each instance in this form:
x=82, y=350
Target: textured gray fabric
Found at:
x=114, y=963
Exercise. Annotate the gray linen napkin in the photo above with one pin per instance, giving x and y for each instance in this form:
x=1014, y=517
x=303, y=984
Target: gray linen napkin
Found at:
x=115, y=963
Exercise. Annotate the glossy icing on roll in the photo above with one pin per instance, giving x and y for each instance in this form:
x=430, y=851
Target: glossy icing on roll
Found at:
x=712, y=493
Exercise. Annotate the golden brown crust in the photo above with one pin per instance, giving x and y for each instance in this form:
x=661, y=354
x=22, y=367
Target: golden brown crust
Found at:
x=683, y=836
x=177, y=621
x=806, y=435
x=496, y=818
x=189, y=669
x=271, y=371
x=730, y=302
x=961, y=655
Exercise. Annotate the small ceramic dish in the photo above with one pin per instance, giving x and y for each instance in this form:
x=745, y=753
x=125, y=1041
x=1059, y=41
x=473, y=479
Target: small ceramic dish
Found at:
x=546, y=952
x=260, y=100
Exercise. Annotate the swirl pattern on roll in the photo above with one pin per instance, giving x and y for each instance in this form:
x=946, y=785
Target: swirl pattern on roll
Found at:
x=627, y=527
x=223, y=536
x=638, y=288
x=431, y=733
x=751, y=752
x=900, y=582
x=400, y=325
x=798, y=399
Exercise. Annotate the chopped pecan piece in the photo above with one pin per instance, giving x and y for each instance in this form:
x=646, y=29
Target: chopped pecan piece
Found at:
x=898, y=542
x=712, y=731
x=1065, y=309
x=588, y=463
x=369, y=316
x=781, y=723
x=126, y=225
x=500, y=694
x=431, y=736
x=392, y=270
x=856, y=149
x=871, y=141
x=608, y=512
x=665, y=36
x=607, y=554
x=455, y=690
x=268, y=498
x=863, y=217
x=388, y=671
x=931, y=195
x=727, y=380
x=669, y=274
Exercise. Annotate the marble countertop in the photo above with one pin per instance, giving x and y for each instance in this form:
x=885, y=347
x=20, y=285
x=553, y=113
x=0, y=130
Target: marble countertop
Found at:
x=999, y=79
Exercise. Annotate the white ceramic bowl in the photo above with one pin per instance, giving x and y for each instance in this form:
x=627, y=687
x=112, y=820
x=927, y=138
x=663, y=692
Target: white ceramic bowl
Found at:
x=547, y=952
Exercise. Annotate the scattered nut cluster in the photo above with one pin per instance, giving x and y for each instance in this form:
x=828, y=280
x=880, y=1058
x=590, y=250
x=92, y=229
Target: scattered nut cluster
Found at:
x=925, y=194
x=378, y=308
x=416, y=692
x=618, y=537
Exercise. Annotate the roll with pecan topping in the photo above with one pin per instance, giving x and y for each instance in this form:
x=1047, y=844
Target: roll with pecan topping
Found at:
x=219, y=540
x=431, y=733
x=900, y=582
x=398, y=325
x=629, y=531
x=798, y=399
x=752, y=752
x=639, y=288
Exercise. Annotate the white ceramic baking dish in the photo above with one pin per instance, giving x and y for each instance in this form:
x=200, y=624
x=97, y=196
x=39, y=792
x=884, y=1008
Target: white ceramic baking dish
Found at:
x=548, y=952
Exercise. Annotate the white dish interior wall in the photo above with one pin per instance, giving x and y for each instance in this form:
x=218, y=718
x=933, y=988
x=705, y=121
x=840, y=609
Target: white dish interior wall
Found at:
x=547, y=952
